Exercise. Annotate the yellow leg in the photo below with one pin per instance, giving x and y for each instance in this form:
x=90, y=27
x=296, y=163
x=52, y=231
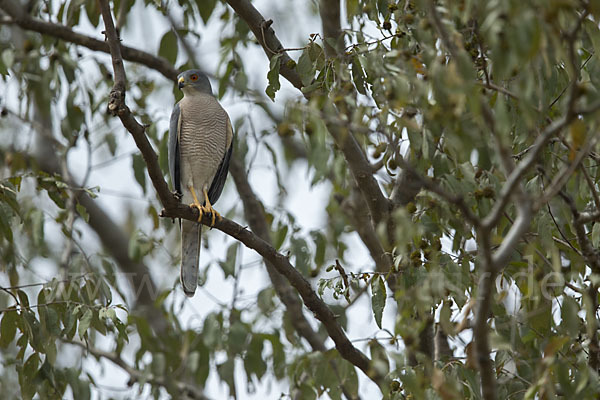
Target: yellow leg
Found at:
x=209, y=209
x=196, y=203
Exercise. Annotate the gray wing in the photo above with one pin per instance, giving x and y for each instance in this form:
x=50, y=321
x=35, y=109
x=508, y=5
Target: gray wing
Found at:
x=218, y=182
x=216, y=187
x=173, y=149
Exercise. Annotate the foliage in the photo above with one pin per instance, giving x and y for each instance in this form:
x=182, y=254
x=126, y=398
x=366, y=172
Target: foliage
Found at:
x=489, y=109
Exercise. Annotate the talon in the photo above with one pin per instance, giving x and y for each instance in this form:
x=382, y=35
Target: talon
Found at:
x=209, y=208
x=196, y=204
x=200, y=210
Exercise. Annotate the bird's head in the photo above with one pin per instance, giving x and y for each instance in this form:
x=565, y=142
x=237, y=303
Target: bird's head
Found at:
x=193, y=80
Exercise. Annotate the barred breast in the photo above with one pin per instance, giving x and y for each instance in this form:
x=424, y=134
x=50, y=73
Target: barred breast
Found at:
x=203, y=139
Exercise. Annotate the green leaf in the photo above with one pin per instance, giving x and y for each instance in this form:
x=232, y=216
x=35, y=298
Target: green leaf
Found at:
x=27, y=376
x=273, y=77
x=168, y=46
x=23, y=299
x=378, y=297
x=592, y=30
x=358, y=76
x=211, y=331
x=352, y=8
x=8, y=58
x=83, y=212
x=206, y=7
x=84, y=323
x=264, y=300
x=158, y=366
x=228, y=265
x=51, y=321
x=93, y=12
x=253, y=359
x=5, y=223
x=305, y=68
x=321, y=243
x=348, y=377
x=237, y=337
x=37, y=222
x=379, y=358
x=225, y=371
x=8, y=328
x=51, y=352
x=570, y=320
x=445, y=315
x=596, y=235
x=139, y=170
x=152, y=213
x=111, y=142
x=280, y=236
x=3, y=68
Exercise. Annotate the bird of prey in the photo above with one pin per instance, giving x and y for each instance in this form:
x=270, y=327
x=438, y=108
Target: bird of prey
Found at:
x=200, y=145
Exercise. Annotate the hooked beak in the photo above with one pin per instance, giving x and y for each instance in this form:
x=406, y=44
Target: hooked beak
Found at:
x=180, y=82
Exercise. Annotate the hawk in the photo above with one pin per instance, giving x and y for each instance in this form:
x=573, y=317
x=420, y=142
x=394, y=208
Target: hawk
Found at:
x=199, y=150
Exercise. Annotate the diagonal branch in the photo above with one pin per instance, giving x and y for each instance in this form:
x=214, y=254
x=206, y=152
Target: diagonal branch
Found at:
x=254, y=213
x=264, y=33
x=174, y=209
x=360, y=167
x=331, y=26
x=26, y=22
x=111, y=235
x=187, y=390
x=592, y=257
x=515, y=176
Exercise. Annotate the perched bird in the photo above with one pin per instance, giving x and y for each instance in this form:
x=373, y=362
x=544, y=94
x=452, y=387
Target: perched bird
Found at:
x=200, y=145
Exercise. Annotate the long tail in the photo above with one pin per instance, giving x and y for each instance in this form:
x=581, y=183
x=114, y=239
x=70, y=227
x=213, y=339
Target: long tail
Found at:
x=191, y=236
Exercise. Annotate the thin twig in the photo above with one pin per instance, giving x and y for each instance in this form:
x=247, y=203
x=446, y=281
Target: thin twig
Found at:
x=25, y=21
x=174, y=209
x=591, y=185
x=186, y=389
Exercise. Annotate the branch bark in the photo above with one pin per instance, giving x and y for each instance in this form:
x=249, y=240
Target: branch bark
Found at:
x=111, y=235
x=361, y=169
x=254, y=213
x=186, y=390
x=592, y=257
x=174, y=209
x=26, y=22
x=331, y=26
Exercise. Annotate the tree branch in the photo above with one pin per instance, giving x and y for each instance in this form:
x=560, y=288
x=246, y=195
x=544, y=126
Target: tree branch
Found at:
x=427, y=183
x=359, y=165
x=254, y=213
x=592, y=257
x=515, y=176
x=282, y=264
x=174, y=209
x=26, y=22
x=111, y=235
x=561, y=178
x=482, y=313
x=331, y=26
x=266, y=37
x=187, y=390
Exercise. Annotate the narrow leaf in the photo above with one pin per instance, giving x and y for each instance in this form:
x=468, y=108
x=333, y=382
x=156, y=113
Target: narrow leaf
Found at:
x=168, y=46
x=273, y=77
x=84, y=323
x=8, y=328
x=378, y=295
x=139, y=169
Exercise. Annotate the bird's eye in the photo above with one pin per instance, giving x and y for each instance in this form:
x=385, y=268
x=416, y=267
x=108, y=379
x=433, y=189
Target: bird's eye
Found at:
x=194, y=77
